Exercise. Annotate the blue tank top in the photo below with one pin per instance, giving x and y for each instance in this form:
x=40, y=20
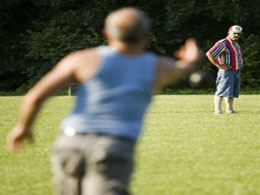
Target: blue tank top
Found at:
x=115, y=100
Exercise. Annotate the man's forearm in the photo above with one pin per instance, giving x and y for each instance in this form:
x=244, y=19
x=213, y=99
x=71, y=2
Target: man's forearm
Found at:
x=28, y=111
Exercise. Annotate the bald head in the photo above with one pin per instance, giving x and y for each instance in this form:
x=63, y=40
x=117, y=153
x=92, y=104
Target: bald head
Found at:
x=128, y=25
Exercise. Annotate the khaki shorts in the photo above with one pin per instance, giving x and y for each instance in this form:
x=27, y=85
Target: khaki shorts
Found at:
x=92, y=164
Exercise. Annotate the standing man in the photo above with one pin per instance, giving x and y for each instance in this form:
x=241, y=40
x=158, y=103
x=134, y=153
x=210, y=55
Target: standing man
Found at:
x=94, y=153
x=227, y=56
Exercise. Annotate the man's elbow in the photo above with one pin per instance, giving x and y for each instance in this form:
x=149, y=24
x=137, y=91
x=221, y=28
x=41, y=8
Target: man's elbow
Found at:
x=209, y=56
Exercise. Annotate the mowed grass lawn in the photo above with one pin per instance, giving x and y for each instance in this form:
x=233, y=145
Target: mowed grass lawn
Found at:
x=184, y=148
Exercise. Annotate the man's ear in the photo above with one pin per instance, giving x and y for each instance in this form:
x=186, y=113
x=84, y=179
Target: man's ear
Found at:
x=105, y=35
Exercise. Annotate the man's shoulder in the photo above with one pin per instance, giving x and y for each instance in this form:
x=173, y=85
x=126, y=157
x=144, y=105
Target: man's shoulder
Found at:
x=221, y=41
x=238, y=45
x=83, y=52
x=82, y=55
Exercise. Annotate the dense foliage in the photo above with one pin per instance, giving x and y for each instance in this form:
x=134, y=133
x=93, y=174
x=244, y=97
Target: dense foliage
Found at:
x=35, y=34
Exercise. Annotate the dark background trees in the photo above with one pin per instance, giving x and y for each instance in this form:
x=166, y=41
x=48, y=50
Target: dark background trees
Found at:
x=35, y=34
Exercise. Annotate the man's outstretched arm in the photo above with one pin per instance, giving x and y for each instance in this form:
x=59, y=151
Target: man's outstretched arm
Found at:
x=170, y=71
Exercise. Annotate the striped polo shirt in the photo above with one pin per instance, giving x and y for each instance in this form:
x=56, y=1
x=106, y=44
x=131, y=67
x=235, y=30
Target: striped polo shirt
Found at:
x=228, y=52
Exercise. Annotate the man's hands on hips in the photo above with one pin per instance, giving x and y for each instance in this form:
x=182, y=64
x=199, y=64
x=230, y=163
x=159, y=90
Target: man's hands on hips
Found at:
x=223, y=66
x=241, y=67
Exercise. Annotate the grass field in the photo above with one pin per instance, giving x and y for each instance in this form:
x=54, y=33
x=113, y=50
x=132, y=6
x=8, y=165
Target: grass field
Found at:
x=184, y=149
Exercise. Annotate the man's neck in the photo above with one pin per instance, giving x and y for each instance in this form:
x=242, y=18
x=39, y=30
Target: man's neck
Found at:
x=127, y=49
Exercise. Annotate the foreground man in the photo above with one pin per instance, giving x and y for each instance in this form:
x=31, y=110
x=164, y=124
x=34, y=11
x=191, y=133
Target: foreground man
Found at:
x=227, y=56
x=94, y=154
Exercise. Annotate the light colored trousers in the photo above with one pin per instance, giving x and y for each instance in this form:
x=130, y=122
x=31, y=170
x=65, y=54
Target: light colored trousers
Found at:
x=92, y=164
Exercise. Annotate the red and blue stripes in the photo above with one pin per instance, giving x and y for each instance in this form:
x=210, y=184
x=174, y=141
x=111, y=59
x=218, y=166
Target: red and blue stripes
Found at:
x=228, y=53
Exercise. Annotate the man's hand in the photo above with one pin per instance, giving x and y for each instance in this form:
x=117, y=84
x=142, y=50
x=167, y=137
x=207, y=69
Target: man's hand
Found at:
x=17, y=136
x=223, y=66
x=189, y=52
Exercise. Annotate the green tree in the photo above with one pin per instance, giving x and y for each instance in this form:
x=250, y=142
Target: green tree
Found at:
x=36, y=34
